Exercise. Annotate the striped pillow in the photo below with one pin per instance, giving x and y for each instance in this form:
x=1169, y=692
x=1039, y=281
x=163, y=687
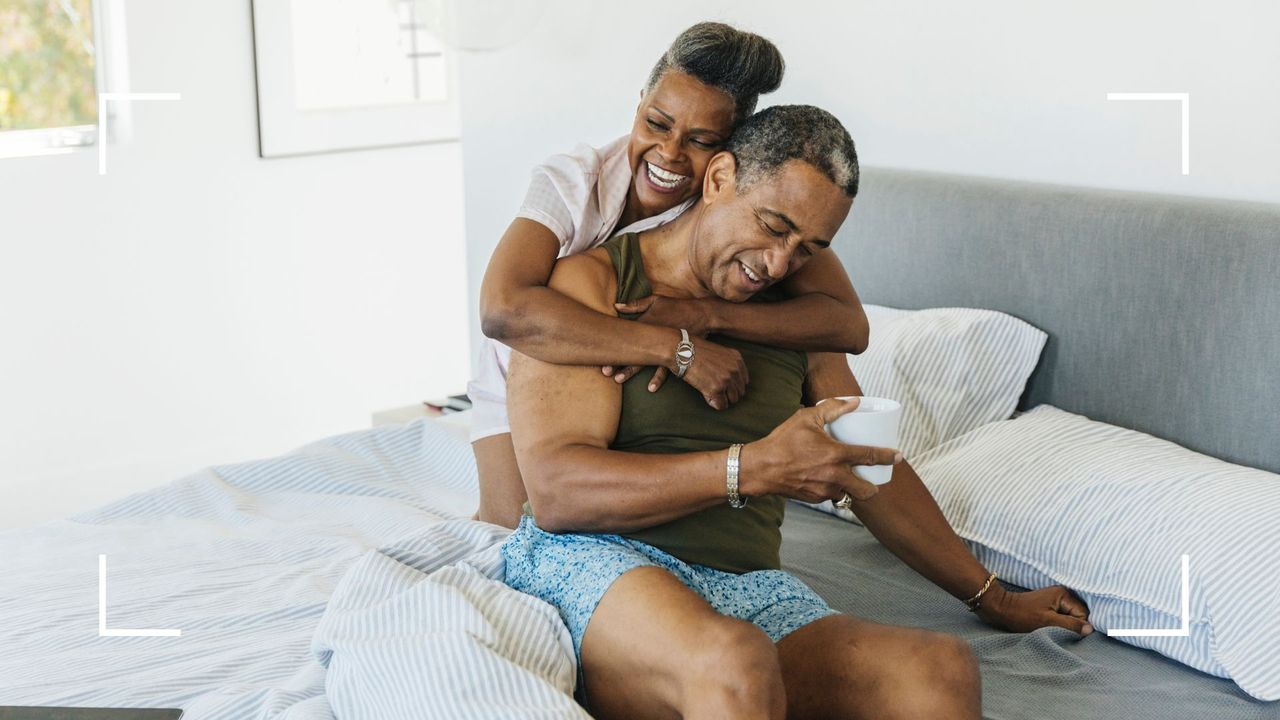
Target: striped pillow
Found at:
x=953, y=369
x=1055, y=498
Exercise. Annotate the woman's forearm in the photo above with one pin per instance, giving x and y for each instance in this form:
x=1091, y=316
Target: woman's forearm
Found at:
x=812, y=322
x=551, y=327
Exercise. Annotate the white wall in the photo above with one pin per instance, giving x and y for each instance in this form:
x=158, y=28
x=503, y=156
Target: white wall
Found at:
x=199, y=305
x=1002, y=88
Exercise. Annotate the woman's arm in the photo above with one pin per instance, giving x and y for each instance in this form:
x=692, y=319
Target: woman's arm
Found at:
x=822, y=314
x=519, y=309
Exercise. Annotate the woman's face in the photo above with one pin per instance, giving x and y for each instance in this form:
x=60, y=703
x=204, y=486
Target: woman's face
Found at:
x=679, y=125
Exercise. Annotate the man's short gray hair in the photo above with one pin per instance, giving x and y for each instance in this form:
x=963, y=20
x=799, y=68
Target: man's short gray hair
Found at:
x=741, y=64
x=780, y=133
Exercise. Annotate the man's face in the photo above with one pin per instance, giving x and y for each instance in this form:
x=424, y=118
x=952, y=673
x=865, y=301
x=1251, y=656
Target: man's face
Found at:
x=748, y=241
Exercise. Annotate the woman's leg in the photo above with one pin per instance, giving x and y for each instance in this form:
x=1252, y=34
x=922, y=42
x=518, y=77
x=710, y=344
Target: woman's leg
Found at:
x=502, y=490
x=655, y=649
x=845, y=667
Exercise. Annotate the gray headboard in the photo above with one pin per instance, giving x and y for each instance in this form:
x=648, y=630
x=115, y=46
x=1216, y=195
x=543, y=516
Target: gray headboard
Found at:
x=1163, y=312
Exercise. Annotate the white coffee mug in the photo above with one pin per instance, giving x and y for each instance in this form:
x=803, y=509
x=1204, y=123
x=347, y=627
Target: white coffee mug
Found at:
x=875, y=423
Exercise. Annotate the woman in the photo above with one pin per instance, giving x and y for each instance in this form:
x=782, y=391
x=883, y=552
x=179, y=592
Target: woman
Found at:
x=701, y=88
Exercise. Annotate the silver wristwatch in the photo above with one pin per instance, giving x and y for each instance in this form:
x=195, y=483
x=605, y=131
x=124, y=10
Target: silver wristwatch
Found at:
x=684, y=353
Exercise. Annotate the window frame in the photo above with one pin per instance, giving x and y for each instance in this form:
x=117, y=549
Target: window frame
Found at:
x=110, y=75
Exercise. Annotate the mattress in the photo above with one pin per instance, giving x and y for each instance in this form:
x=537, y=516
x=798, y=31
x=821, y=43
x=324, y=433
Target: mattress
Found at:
x=298, y=580
x=1049, y=673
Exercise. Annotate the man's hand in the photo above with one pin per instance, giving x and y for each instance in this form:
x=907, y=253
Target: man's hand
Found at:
x=1027, y=611
x=692, y=315
x=718, y=372
x=800, y=460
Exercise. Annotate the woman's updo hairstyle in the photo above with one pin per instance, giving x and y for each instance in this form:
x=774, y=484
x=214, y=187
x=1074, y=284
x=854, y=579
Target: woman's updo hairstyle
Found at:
x=742, y=64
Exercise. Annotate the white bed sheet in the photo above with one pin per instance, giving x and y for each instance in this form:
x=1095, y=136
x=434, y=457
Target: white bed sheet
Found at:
x=242, y=559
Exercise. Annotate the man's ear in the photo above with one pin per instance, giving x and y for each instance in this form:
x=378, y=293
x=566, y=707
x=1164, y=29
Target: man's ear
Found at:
x=720, y=177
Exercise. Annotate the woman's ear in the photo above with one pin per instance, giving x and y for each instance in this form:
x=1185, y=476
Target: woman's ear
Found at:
x=721, y=174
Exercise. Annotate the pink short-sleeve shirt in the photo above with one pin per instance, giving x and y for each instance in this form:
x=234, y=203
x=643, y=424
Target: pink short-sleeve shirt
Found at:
x=578, y=196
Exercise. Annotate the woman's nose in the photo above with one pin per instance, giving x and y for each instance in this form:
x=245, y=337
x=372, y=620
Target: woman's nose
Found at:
x=670, y=150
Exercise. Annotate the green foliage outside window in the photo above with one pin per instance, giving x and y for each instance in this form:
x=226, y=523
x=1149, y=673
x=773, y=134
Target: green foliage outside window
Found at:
x=46, y=64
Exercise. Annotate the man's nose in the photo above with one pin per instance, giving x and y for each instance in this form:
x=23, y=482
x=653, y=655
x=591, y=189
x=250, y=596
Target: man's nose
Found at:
x=776, y=262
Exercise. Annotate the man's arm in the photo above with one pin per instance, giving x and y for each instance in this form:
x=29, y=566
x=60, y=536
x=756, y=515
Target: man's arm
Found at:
x=823, y=312
x=903, y=516
x=563, y=419
x=906, y=519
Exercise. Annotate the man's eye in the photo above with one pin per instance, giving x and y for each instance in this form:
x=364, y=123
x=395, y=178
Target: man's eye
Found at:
x=656, y=125
x=769, y=229
x=705, y=145
x=806, y=250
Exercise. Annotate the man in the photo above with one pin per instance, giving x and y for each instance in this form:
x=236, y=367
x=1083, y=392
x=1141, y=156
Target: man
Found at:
x=657, y=517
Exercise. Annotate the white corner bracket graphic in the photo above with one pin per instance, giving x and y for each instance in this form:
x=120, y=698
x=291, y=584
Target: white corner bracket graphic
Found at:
x=103, y=630
x=1185, y=99
x=1185, y=630
x=102, y=117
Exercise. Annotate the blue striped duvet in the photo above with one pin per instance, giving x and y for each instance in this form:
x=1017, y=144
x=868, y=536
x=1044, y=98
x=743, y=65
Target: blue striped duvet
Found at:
x=248, y=561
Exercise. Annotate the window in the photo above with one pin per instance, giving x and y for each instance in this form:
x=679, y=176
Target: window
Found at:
x=49, y=75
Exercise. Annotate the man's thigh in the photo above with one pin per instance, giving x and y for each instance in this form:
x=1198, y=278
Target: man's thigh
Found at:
x=845, y=667
x=648, y=641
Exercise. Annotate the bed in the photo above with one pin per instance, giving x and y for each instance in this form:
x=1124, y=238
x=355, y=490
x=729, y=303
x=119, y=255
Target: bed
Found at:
x=344, y=580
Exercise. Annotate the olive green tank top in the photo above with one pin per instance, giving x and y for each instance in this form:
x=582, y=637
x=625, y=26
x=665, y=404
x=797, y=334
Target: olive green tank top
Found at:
x=676, y=419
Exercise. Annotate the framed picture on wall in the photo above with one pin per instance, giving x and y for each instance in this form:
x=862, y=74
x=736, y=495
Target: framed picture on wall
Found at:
x=339, y=75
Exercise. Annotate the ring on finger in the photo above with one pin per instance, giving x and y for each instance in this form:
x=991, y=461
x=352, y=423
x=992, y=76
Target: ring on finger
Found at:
x=845, y=502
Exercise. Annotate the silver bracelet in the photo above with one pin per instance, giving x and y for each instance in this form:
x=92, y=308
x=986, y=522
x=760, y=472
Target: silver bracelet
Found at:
x=731, y=476
x=684, y=353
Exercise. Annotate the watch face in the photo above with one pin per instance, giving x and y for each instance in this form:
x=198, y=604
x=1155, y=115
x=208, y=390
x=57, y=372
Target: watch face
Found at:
x=684, y=354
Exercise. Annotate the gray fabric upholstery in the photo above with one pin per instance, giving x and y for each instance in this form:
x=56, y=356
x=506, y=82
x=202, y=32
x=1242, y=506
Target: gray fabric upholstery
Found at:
x=1161, y=310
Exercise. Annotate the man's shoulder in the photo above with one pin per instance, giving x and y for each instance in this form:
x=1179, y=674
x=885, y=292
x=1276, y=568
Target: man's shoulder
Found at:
x=588, y=278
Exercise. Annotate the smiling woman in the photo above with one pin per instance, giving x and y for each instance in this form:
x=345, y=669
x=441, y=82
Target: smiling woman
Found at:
x=697, y=93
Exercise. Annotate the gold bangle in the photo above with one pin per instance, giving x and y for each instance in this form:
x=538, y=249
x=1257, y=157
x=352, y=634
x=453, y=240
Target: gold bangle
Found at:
x=975, y=602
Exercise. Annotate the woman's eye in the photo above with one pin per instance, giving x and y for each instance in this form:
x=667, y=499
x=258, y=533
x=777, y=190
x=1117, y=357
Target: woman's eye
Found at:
x=705, y=145
x=656, y=125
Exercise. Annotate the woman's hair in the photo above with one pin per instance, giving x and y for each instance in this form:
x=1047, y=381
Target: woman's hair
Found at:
x=742, y=64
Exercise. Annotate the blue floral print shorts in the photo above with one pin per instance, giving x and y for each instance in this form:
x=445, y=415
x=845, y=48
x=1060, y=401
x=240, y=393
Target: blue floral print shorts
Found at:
x=573, y=572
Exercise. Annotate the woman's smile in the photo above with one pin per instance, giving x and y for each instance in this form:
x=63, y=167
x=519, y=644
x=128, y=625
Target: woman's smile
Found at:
x=662, y=180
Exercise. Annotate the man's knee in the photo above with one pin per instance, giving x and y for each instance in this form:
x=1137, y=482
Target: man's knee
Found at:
x=944, y=669
x=738, y=660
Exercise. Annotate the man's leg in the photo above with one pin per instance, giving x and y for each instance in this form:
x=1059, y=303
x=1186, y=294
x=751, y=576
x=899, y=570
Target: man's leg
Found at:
x=501, y=488
x=655, y=649
x=845, y=667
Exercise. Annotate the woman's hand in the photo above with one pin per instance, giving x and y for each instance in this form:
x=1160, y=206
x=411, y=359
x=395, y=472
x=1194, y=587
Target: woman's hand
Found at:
x=800, y=460
x=718, y=372
x=692, y=315
x=1034, y=609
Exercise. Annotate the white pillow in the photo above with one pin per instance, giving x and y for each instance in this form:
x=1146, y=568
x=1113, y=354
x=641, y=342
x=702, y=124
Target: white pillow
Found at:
x=1055, y=498
x=953, y=369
